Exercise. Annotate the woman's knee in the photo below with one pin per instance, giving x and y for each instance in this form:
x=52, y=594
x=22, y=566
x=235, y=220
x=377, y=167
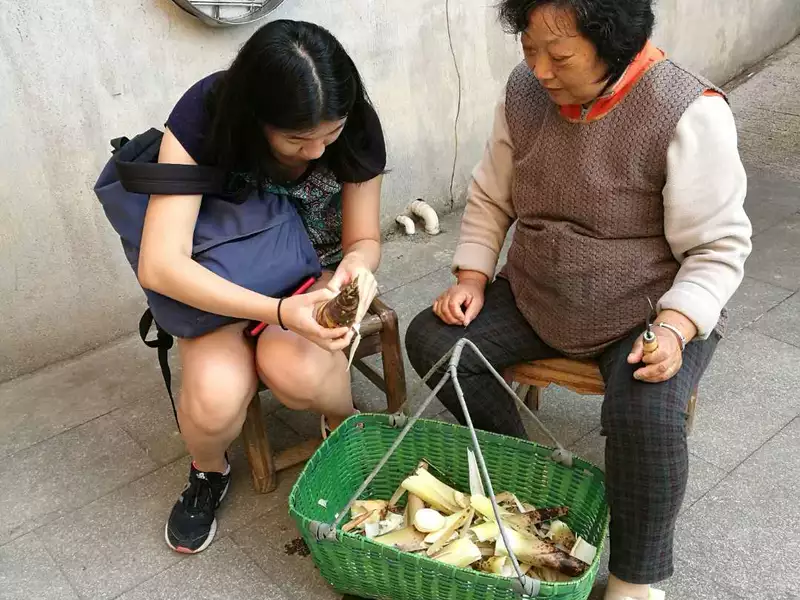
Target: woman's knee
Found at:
x=653, y=412
x=427, y=340
x=293, y=373
x=216, y=397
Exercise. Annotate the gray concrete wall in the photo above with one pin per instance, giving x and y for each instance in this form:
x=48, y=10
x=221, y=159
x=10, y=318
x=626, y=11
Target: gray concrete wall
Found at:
x=74, y=73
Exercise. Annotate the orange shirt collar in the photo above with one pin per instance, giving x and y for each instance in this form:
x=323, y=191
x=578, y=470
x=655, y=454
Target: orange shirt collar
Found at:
x=649, y=56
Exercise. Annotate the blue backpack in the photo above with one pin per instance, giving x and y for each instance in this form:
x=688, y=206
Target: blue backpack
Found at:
x=259, y=243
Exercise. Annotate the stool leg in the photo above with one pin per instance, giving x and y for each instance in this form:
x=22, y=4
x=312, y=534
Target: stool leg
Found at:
x=259, y=452
x=394, y=374
x=690, y=412
x=534, y=398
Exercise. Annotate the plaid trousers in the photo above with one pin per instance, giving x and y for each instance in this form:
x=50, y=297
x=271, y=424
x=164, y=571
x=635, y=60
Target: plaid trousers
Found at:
x=647, y=458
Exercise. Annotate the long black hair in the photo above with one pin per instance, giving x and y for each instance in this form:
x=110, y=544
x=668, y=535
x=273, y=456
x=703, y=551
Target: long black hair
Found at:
x=291, y=75
x=618, y=29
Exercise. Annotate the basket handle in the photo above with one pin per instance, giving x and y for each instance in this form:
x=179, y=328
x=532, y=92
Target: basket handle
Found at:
x=398, y=419
x=527, y=585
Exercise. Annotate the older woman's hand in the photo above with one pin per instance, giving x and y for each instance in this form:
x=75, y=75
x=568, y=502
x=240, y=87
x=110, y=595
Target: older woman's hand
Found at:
x=667, y=360
x=461, y=303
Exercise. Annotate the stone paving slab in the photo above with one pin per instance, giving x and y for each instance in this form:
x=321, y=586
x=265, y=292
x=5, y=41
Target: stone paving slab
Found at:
x=113, y=544
x=776, y=462
x=766, y=107
x=689, y=584
x=752, y=301
x=776, y=254
x=73, y=392
x=770, y=199
x=50, y=479
x=222, y=572
x=151, y=424
x=745, y=533
x=783, y=321
x=27, y=571
x=748, y=394
x=264, y=541
x=568, y=416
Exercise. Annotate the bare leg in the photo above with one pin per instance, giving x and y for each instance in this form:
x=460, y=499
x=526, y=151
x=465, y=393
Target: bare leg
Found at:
x=303, y=376
x=219, y=380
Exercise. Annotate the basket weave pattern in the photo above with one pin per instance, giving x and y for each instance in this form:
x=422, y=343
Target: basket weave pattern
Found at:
x=356, y=565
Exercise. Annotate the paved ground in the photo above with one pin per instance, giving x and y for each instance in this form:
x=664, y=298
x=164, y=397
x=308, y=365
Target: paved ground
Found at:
x=91, y=462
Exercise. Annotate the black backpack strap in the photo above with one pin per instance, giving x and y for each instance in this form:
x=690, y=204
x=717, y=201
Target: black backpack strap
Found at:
x=139, y=171
x=163, y=343
x=163, y=178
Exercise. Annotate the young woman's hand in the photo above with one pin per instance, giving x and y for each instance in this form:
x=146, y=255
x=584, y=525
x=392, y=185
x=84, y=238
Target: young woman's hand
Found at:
x=297, y=314
x=353, y=266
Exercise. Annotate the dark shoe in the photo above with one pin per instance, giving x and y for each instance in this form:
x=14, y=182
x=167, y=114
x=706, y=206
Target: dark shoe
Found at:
x=192, y=524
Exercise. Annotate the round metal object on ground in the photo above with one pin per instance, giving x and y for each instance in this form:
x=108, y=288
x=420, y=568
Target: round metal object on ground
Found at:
x=226, y=13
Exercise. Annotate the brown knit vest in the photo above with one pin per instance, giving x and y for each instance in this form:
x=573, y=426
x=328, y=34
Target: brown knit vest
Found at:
x=589, y=246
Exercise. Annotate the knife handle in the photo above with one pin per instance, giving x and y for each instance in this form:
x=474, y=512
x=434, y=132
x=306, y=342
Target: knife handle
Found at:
x=650, y=342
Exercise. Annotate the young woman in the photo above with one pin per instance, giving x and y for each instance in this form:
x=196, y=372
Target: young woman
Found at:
x=291, y=113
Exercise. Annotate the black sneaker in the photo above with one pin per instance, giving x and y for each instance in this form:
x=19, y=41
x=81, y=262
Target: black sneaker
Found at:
x=191, y=525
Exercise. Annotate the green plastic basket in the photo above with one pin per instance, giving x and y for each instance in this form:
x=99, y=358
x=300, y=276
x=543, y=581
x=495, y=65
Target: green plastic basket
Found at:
x=355, y=565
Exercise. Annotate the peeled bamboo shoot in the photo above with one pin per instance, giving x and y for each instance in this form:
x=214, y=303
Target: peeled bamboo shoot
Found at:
x=467, y=523
x=428, y=520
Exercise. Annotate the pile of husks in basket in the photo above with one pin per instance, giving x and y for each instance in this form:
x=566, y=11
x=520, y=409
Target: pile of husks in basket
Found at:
x=461, y=529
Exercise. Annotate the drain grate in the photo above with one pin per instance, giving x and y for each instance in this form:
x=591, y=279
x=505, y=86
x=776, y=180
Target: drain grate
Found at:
x=225, y=13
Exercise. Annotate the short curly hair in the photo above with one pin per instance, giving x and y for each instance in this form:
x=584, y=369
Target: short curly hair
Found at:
x=619, y=29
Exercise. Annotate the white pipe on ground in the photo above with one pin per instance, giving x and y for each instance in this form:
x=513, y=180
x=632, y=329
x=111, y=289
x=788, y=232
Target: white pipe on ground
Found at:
x=424, y=211
x=406, y=222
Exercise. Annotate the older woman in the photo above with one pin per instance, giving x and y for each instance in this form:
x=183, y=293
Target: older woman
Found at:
x=621, y=171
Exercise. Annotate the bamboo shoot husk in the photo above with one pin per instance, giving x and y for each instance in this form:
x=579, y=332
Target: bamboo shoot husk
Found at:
x=407, y=539
x=530, y=549
x=341, y=310
x=440, y=538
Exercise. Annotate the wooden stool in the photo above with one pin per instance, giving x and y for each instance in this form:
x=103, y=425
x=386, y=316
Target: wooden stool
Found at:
x=581, y=376
x=379, y=335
